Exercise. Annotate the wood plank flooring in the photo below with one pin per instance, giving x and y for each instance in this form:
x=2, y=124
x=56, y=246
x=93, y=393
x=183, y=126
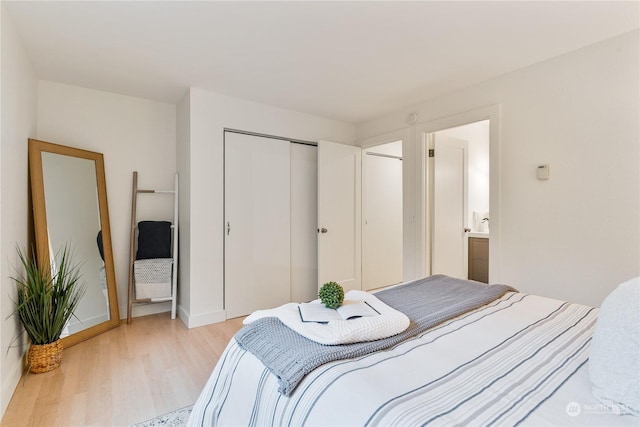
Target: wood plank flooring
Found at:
x=124, y=376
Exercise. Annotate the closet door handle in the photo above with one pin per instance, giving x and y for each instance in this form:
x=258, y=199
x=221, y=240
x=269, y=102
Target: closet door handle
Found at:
x=323, y=230
x=228, y=228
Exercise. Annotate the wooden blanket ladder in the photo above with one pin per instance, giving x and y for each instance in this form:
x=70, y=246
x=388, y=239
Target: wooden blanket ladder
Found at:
x=132, y=249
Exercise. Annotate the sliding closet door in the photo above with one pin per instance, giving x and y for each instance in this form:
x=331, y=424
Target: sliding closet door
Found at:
x=257, y=223
x=304, y=221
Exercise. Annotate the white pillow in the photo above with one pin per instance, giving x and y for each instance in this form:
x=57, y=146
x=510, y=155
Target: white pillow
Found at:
x=614, y=358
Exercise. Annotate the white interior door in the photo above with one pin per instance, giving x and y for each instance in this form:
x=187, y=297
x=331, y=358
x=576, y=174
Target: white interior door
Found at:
x=382, y=226
x=257, y=223
x=449, y=207
x=339, y=214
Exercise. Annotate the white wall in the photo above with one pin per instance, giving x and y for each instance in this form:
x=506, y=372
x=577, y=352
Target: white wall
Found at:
x=577, y=235
x=133, y=134
x=17, y=123
x=201, y=275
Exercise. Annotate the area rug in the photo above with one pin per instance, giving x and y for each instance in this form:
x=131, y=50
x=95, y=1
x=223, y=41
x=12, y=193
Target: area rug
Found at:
x=177, y=418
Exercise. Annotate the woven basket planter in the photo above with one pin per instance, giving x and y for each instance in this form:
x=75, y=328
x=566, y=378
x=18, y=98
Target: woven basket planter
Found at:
x=45, y=357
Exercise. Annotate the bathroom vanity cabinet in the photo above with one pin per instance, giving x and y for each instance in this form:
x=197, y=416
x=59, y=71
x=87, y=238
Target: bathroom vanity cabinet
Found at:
x=479, y=259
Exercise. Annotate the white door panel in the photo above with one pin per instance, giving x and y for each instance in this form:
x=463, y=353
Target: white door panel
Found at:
x=339, y=213
x=449, y=207
x=257, y=223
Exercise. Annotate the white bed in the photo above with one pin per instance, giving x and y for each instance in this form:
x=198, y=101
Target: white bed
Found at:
x=520, y=360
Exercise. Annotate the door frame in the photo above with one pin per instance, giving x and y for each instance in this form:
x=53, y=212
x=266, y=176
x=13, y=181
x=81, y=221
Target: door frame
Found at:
x=422, y=136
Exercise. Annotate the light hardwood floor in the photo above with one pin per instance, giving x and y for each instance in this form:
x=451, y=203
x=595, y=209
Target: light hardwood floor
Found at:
x=122, y=377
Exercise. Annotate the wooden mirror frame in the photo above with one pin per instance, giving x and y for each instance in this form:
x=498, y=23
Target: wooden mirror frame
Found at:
x=36, y=148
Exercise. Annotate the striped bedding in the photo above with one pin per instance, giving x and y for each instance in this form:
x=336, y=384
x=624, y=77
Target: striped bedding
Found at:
x=519, y=360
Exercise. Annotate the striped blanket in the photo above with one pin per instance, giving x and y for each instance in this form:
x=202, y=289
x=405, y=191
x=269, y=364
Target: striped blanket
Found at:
x=427, y=302
x=500, y=364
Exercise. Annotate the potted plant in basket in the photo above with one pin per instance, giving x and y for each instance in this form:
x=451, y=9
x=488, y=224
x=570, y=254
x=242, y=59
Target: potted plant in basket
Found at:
x=46, y=300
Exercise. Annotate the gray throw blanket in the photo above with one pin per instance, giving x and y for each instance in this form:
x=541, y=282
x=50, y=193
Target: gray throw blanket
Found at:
x=427, y=302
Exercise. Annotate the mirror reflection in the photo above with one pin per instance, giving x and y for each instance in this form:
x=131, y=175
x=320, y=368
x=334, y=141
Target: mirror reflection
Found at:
x=73, y=217
x=70, y=209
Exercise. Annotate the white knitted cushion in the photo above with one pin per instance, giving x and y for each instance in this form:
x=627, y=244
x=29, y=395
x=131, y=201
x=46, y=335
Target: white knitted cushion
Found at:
x=614, y=358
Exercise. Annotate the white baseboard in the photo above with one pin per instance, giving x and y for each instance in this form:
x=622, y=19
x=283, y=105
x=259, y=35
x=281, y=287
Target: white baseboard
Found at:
x=146, y=309
x=190, y=321
x=193, y=321
x=10, y=384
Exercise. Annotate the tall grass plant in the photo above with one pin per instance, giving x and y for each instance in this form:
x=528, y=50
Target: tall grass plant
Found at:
x=46, y=300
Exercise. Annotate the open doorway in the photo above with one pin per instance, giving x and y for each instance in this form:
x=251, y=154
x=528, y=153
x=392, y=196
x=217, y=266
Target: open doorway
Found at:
x=382, y=223
x=458, y=198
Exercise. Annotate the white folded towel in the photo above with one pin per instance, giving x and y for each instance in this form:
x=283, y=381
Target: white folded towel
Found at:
x=390, y=322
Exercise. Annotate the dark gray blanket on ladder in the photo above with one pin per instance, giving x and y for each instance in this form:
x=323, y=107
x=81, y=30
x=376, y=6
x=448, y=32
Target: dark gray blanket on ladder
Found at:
x=427, y=302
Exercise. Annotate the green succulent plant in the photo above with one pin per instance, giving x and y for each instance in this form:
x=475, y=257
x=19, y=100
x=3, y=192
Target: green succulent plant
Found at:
x=331, y=295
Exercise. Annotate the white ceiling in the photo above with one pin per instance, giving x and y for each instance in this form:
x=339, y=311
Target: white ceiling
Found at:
x=351, y=61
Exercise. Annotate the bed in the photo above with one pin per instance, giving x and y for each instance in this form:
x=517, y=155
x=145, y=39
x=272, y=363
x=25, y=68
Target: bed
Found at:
x=519, y=359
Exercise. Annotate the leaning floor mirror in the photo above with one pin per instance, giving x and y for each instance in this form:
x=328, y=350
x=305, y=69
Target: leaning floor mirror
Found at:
x=69, y=196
